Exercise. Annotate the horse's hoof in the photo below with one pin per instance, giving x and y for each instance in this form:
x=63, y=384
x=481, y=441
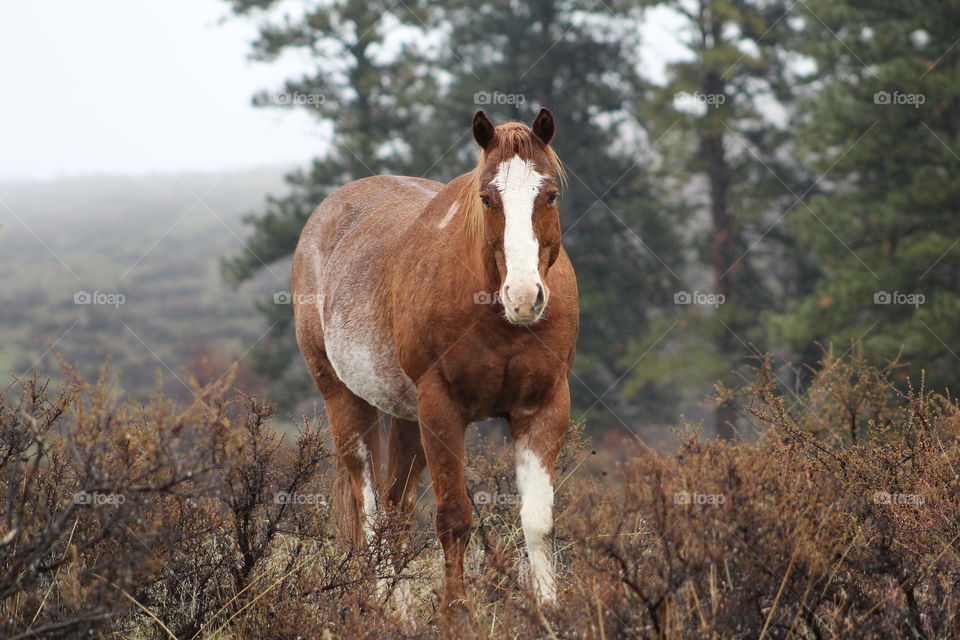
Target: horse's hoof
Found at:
x=456, y=617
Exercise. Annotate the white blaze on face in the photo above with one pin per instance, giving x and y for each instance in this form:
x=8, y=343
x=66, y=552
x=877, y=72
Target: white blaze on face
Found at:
x=519, y=183
x=536, y=514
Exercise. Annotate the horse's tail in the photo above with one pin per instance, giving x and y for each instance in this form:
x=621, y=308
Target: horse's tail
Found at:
x=346, y=510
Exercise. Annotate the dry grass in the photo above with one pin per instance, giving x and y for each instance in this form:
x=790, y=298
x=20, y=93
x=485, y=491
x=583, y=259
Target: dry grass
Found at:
x=841, y=520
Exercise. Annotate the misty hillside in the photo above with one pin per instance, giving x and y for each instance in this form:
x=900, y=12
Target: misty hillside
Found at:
x=141, y=254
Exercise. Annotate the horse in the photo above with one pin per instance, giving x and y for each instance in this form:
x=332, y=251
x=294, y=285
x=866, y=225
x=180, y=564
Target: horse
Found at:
x=441, y=305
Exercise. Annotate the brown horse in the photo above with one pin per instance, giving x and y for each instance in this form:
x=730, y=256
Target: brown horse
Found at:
x=443, y=305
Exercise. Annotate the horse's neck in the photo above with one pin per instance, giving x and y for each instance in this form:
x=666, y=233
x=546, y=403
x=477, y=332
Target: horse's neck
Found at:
x=449, y=214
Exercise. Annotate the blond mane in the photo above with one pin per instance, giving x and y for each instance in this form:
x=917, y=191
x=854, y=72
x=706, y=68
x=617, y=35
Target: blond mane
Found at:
x=512, y=138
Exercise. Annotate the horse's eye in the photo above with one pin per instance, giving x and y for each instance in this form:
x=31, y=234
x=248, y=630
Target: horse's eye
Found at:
x=552, y=198
x=486, y=201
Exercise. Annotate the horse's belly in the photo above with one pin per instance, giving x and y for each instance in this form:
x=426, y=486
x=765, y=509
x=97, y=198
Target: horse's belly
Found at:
x=370, y=369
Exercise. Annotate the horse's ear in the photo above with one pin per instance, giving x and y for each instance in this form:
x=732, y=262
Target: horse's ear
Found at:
x=543, y=126
x=483, y=129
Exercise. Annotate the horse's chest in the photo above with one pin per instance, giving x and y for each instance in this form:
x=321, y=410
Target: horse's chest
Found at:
x=504, y=384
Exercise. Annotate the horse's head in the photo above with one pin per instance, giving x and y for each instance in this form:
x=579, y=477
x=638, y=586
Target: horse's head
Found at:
x=518, y=188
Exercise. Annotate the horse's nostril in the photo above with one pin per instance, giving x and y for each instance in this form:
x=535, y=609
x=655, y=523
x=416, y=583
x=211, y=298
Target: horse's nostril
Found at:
x=539, y=302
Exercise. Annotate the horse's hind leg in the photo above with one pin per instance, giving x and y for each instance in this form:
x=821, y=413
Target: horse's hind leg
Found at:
x=405, y=464
x=355, y=427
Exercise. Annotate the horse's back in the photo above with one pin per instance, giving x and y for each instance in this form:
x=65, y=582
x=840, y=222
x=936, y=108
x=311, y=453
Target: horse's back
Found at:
x=363, y=213
x=340, y=266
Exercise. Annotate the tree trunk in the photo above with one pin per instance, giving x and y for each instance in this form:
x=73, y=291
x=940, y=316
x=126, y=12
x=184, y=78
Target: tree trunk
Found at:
x=722, y=234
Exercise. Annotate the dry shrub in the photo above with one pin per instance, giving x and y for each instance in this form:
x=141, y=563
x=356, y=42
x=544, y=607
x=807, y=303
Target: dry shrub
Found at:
x=840, y=519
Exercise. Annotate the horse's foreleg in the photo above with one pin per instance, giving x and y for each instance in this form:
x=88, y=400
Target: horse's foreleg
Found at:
x=442, y=427
x=539, y=437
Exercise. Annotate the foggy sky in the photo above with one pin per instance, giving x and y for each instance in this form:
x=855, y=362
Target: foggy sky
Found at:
x=131, y=87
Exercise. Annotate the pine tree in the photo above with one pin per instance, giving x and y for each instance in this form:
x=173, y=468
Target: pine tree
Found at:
x=724, y=154
x=884, y=129
x=372, y=94
x=508, y=58
x=578, y=58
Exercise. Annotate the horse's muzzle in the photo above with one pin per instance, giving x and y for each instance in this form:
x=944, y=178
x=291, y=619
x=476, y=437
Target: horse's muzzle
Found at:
x=523, y=303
